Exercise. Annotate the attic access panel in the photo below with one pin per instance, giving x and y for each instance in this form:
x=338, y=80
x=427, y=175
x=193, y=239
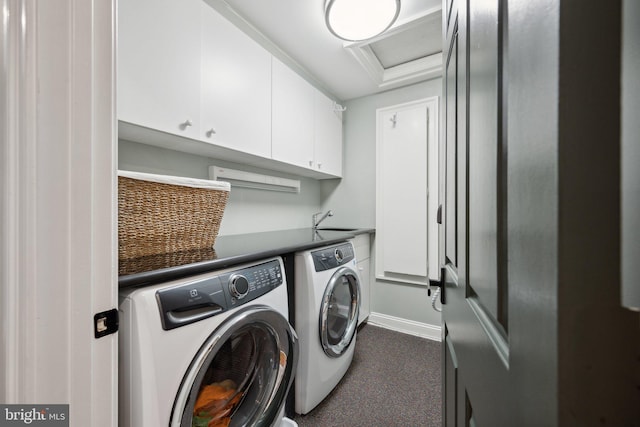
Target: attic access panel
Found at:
x=411, y=51
x=414, y=43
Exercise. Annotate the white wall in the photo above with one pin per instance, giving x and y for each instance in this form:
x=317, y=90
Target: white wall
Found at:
x=353, y=198
x=247, y=210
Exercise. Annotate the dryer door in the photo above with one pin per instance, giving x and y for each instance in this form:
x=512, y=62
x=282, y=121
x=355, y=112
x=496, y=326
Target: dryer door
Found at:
x=339, y=312
x=242, y=373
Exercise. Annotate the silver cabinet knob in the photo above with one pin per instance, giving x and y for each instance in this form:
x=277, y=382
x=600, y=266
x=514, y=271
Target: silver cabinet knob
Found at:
x=319, y=165
x=186, y=124
x=310, y=163
x=211, y=132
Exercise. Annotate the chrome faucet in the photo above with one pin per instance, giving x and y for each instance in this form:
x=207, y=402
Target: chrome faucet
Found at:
x=315, y=221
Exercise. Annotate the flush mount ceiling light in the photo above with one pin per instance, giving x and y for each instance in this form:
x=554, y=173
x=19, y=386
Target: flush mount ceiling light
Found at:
x=356, y=20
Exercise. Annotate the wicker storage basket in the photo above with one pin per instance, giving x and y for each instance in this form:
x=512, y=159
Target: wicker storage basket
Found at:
x=163, y=214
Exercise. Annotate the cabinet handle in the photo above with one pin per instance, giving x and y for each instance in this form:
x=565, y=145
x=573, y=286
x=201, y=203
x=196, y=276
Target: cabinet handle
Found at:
x=319, y=165
x=186, y=124
x=310, y=163
x=211, y=132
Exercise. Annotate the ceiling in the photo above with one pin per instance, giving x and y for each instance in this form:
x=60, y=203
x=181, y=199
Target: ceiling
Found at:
x=409, y=52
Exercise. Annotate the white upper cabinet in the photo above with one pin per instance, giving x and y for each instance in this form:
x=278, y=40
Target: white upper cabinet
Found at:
x=328, y=136
x=236, y=87
x=184, y=69
x=307, y=131
x=293, y=117
x=159, y=64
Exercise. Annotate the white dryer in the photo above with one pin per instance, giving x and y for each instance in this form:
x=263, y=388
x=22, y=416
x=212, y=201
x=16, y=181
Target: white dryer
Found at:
x=327, y=300
x=214, y=349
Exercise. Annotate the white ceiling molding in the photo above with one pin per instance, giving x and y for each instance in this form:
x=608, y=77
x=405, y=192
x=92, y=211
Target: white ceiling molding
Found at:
x=415, y=71
x=412, y=71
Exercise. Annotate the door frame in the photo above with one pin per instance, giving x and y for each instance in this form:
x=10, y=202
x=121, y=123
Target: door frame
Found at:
x=58, y=206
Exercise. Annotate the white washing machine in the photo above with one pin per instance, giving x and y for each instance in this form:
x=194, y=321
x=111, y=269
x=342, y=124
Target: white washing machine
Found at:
x=327, y=300
x=214, y=349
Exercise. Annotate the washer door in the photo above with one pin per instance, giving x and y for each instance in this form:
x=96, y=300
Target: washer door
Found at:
x=339, y=311
x=242, y=373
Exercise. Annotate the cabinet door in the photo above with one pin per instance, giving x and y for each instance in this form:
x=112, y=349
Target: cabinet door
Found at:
x=328, y=136
x=401, y=190
x=236, y=87
x=159, y=64
x=293, y=110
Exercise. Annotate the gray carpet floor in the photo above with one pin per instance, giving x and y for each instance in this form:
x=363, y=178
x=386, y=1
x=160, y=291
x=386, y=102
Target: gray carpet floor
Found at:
x=394, y=380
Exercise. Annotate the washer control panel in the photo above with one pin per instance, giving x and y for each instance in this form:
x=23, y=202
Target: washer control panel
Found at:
x=333, y=256
x=251, y=282
x=211, y=294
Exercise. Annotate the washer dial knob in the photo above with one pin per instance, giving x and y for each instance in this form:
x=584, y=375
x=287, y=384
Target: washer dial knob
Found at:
x=238, y=286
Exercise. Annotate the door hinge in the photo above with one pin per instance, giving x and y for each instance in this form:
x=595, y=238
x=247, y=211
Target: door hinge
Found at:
x=106, y=323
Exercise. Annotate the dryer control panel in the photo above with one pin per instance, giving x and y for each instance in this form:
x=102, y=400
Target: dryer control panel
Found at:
x=333, y=256
x=209, y=295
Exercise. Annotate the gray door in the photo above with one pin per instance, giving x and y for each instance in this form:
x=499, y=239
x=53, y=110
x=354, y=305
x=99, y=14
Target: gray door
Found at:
x=533, y=330
x=476, y=327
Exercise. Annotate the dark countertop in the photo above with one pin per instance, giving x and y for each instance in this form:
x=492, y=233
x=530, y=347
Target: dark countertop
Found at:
x=228, y=251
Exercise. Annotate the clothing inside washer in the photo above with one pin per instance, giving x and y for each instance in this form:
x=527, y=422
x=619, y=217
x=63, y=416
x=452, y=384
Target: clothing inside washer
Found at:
x=234, y=388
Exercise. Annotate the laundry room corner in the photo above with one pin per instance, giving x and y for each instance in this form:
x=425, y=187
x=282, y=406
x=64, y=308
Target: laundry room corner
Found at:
x=395, y=305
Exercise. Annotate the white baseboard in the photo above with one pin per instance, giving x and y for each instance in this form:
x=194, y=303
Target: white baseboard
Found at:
x=411, y=327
